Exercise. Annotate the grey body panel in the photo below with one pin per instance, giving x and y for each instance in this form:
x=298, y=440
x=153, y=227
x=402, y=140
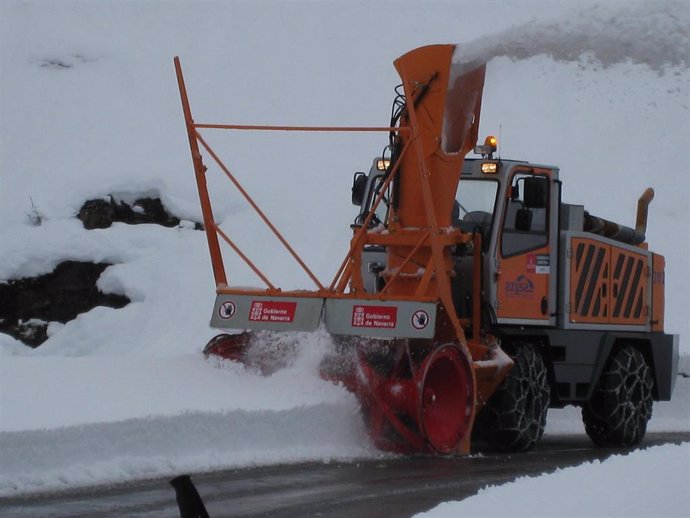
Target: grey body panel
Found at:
x=362, y=317
x=572, y=217
x=576, y=358
x=665, y=352
x=267, y=312
x=373, y=260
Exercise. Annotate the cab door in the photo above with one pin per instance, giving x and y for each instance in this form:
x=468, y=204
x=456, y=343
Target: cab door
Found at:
x=526, y=249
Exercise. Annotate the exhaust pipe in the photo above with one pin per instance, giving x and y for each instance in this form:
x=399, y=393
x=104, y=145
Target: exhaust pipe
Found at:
x=642, y=210
x=636, y=236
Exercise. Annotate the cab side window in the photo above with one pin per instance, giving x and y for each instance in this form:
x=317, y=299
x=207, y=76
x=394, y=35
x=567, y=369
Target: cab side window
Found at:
x=525, y=223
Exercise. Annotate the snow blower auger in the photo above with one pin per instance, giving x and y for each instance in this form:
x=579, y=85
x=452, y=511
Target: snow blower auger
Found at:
x=419, y=371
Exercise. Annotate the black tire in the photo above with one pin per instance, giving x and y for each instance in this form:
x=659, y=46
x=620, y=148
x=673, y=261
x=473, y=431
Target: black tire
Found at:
x=514, y=418
x=621, y=404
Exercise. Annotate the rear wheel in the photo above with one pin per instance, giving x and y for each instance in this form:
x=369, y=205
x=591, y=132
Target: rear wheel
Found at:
x=621, y=405
x=515, y=416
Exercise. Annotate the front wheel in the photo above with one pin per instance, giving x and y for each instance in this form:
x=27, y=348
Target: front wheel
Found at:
x=514, y=418
x=621, y=405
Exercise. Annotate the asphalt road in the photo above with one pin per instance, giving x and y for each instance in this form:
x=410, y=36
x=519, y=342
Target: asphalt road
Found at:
x=398, y=487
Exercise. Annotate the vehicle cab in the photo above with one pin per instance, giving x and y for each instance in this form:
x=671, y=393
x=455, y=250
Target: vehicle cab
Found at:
x=514, y=207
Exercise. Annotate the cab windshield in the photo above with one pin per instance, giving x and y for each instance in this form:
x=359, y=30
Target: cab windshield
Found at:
x=473, y=211
x=476, y=196
x=475, y=201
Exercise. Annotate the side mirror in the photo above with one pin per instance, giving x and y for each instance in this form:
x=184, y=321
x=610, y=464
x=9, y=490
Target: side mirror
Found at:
x=359, y=184
x=536, y=192
x=523, y=220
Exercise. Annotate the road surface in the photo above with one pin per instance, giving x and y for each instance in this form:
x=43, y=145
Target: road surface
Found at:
x=398, y=487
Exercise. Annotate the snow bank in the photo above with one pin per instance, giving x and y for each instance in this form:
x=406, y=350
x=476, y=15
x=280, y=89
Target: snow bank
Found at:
x=50, y=392
x=652, y=482
x=190, y=442
x=165, y=272
x=94, y=420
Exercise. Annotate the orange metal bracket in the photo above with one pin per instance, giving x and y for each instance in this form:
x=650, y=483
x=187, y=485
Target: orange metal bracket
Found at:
x=342, y=277
x=200, y=172
x=422, y=241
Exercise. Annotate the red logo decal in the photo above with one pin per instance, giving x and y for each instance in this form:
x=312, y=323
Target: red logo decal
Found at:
x=374, y=316
x=272, y=311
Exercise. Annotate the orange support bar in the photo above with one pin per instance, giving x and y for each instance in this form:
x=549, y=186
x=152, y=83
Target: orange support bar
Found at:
x=245, y=259
x=200, y=174
x=357, y=241
x=318, y=129
x=213, y=230
x=261, y=214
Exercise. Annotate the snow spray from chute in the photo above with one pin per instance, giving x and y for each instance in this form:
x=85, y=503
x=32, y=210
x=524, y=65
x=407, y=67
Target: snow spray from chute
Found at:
x=651, y=33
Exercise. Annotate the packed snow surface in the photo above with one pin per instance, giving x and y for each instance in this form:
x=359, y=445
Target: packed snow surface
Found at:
x=90, y=108
x=586, y=490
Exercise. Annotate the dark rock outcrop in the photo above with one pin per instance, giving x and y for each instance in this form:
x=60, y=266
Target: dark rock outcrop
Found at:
x=28, y=304
x=102, y=213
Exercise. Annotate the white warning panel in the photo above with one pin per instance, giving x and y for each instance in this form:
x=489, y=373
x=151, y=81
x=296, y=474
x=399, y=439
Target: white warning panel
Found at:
x=267, y=312
x=376, y=318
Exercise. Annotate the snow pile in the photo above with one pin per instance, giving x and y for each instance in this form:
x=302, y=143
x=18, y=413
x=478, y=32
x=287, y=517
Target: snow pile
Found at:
x=57, y=459
x=167, y=314
x=651, y=482
x=94, y=421
x=90, y=108
x=90, y=389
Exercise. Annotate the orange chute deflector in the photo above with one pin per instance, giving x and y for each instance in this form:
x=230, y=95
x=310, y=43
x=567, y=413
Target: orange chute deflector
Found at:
x=443, y=98
x=447, y=95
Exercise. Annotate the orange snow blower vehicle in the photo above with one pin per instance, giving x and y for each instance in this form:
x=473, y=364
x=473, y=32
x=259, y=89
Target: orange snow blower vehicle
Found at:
x=447, y=325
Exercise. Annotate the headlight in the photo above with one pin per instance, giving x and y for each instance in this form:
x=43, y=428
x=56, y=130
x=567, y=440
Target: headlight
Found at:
x=382, y=164
x=489, y=167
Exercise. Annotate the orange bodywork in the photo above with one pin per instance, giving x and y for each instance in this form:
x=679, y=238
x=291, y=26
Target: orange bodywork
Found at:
x=430, y=175
x=609, y=284
x=630, y=278
x=590, y=284
x=520, y=291
x=658, y=289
